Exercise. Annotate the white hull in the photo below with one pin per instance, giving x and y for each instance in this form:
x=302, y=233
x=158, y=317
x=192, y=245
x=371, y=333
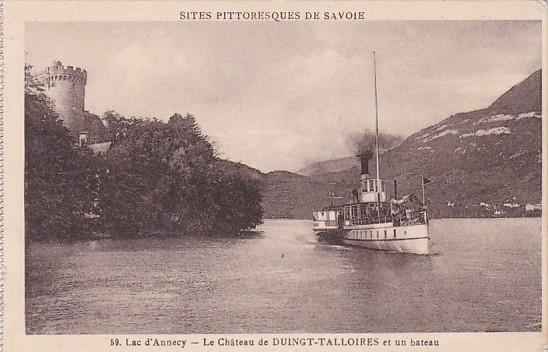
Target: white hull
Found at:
x=405, y=239
x=385, y=237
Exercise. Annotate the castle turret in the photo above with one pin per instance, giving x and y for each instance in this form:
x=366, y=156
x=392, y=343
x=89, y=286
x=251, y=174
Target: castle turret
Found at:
x=66, y=87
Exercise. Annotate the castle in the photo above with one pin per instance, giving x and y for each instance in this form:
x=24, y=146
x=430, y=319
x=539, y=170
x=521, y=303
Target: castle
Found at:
x=66, y=86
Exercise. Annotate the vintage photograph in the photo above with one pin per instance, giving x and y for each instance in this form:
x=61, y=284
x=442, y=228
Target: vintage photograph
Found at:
x=282, y=176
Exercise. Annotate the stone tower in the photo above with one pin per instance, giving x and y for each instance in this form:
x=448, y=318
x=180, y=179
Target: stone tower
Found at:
x=66, y=87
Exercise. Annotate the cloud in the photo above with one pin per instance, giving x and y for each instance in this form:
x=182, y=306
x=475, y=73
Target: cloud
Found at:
x=275, y=95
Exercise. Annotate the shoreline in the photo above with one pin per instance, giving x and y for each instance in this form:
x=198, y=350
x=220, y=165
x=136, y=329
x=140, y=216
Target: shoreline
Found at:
x=441, y=218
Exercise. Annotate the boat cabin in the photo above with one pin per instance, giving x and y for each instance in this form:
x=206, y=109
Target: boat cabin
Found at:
x=327, y=219
x=372, y=189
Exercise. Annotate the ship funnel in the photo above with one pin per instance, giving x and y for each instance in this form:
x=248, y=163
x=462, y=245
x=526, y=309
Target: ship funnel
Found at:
x=364, y=162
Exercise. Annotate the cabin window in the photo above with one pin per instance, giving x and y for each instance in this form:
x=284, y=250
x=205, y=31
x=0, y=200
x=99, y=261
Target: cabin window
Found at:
x=394, y=233
x=363, y=211
x=384, y=233
x=354, y=212
x=377, y=234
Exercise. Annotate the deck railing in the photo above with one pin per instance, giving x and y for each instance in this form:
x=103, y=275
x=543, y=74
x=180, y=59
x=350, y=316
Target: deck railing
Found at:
x=417, y=217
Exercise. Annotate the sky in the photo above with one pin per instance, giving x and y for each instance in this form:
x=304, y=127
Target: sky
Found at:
x=277, y=96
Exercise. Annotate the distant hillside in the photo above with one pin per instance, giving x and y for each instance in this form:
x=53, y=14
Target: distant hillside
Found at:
x=242, y=169
x=289, y=195
x=492, y=155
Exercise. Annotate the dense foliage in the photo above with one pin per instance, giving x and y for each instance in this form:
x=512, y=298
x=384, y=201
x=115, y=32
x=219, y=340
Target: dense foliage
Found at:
x=59, y=179
x=167, y=176
x=156, y=177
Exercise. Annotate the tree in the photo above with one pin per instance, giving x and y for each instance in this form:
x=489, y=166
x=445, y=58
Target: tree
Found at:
x=167, y=176
x=156, y=176
x=59, y=178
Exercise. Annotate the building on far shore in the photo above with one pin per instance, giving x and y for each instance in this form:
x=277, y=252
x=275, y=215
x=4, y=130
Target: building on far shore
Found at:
x=533, y=207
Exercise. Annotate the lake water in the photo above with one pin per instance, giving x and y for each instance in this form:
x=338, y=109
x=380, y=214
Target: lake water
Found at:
x=483, y=275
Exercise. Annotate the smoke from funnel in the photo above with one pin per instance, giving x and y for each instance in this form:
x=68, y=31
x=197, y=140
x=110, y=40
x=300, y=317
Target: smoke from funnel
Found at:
x=362, y=142
x=364, y=146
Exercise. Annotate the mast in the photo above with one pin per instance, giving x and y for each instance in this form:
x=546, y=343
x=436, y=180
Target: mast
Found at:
x=376, y=122
x=379, y=184
x=422, y=183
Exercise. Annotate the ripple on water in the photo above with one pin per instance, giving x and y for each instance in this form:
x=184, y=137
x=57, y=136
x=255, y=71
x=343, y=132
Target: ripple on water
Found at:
x=483, y=275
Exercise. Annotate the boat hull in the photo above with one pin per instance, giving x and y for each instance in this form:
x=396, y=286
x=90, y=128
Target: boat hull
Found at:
x=330, y=236
x=403, y=239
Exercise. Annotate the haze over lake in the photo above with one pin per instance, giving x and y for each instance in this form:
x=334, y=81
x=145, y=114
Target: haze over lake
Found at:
x=483, y=275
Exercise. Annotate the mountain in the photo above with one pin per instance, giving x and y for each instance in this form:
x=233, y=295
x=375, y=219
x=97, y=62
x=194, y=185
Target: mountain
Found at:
x=491, y=155
x=289, y=195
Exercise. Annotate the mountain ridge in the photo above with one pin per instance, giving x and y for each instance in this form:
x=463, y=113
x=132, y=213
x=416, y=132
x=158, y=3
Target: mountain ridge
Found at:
x=489, y=156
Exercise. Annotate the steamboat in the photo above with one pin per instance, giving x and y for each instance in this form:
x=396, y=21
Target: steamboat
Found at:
x=371, y=219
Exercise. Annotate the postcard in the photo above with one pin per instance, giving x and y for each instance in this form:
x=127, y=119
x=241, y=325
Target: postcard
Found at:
x=274, y=176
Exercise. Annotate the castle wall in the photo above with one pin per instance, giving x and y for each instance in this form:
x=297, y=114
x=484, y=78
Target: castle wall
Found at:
x=66, y=87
